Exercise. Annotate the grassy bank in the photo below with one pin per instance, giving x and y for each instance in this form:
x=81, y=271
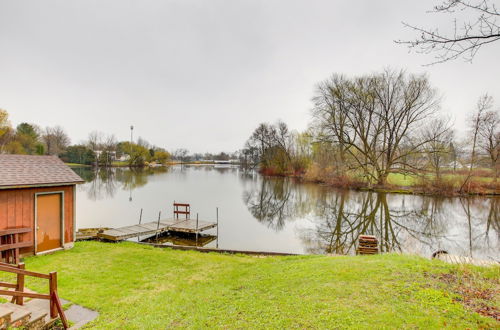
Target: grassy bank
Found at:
x=449, y=184
x=77, y=165
x=135, y=286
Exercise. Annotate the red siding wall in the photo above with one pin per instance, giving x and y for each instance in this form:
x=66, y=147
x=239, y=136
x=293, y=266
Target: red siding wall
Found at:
x=17, y=209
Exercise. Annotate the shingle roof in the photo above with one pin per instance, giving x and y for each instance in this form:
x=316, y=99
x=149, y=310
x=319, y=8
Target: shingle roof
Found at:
x=27, y=170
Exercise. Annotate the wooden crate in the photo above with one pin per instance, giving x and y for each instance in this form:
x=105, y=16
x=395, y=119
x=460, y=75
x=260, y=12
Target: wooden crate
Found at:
x=367, y=244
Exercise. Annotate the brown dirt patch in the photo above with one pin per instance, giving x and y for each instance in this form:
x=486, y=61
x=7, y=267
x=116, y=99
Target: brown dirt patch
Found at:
x=475, y=292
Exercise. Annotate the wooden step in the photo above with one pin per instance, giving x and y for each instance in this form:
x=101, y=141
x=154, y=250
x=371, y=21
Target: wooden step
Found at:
x=5, y=315
x=38, y=318
x=20, y=315
x=32, y=315
x=37, y=321
x=41, y=314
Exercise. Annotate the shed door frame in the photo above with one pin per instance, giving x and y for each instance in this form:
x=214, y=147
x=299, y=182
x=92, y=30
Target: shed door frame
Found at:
x=35, y=238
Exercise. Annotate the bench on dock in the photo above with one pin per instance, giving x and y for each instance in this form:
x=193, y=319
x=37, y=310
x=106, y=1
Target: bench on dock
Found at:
x=186, y=210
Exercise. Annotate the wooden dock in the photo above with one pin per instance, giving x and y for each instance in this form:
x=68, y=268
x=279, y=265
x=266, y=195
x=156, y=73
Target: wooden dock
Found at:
x=192, y=226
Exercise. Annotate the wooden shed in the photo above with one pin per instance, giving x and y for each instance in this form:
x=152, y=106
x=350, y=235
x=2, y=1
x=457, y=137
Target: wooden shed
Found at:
x=37, y=205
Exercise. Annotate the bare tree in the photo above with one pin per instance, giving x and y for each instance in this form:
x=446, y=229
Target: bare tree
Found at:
x=489, y=142
x=439, y=135
x=331, y=124
x=377, y=119
x=484, y=103
x=94, y=141
x=56, y=140
x=181, y=154
x=108, y=149
x=475, y=24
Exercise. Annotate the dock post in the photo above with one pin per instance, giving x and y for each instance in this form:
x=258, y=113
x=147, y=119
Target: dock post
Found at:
x=217, y=217
x=140, y=219
x=196, y=229
x=158, y=225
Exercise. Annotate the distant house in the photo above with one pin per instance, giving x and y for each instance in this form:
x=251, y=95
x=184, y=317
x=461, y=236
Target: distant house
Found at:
x=111, y=154
x=37, y=205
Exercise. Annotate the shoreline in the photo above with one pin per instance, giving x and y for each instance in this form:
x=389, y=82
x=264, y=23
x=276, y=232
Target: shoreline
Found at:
x=148, y=166
x=390, y=189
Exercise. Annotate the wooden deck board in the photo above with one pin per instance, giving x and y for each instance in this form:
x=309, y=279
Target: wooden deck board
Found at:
x=151, y=228
x=139, y=228
x=150, y=225
x=125, y=230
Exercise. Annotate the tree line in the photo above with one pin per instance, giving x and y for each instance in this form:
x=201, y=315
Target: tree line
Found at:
x=99, y=149
x=365, y=128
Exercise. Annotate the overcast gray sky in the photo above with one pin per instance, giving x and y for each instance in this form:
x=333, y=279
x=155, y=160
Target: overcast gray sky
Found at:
x=202, y=74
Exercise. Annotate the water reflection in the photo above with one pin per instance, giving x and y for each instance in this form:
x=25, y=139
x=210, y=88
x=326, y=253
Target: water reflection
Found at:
x=282, y=215
x=402, y=223
x=104, y=182
x=271, y=203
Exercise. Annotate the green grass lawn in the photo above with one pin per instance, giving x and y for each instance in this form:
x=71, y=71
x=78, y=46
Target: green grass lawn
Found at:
x=140, y=287
x=120, y=163
x=77, y=165
x=401, y=180
x=411, y=180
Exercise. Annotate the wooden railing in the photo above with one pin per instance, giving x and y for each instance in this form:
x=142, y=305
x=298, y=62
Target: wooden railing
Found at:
x=10, y=243
x=18, y=293
x=186, y=210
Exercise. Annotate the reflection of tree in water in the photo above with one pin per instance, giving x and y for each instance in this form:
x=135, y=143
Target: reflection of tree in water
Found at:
x=341, y=218
x=421, y=224
x=103, y=182
x=275, y=201
x=270, y=204
x=475, y=220
x=493, y=222
x=102, y=185
x=133, y=178
x=85, y=173
x=413, y=223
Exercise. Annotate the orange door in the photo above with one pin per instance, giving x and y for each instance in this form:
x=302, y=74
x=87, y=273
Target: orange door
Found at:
x=48, y=231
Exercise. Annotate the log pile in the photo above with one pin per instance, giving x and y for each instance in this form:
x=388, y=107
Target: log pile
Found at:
x=367, y=244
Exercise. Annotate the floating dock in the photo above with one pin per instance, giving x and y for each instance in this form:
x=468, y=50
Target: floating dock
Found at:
x=191, y=226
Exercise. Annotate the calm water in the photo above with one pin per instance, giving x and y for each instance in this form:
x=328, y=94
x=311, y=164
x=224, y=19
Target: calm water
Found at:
x=281, y=215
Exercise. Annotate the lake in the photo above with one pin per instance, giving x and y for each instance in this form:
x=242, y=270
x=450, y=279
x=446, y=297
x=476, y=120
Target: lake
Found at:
x=282, y=215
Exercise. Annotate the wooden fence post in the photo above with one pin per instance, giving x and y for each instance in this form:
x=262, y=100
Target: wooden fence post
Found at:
x=20, y=283
x=53, y=289
x=19, y=286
